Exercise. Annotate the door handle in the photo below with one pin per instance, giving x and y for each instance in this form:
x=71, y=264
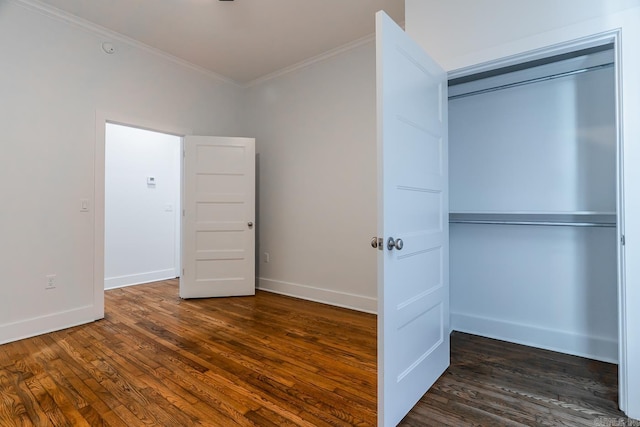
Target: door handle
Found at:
x=394, y=243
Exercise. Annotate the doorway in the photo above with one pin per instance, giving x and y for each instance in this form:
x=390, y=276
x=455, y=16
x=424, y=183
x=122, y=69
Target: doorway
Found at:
x=533, y=204
x=142, y=205
x=601, y=332
x=229, y=185
x=103, y=119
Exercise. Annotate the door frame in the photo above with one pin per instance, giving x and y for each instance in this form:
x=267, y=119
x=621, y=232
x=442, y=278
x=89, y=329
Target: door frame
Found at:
x=608, y=37
x=102, y=118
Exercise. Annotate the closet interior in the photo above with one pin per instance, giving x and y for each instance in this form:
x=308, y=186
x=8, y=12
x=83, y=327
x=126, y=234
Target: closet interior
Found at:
x=533, y=204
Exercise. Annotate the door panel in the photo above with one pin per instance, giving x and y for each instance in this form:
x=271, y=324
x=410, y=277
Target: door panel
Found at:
x=219, y=209
x=413, y=280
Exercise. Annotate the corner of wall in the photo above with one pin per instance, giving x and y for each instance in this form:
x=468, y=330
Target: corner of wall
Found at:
x=321, y=295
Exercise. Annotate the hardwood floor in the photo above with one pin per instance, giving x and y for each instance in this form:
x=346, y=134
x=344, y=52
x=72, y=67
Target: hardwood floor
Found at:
x=158, y=360
x=271, y=360
x=494, y=383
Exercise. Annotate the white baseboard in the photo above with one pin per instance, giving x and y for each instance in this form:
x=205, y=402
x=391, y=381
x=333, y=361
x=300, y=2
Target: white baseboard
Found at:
x=41, y=325
x=597, y=348
x=137, y=279
x=326, y=296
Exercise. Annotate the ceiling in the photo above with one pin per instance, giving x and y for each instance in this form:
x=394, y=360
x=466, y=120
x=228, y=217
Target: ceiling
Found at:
x=241, y=40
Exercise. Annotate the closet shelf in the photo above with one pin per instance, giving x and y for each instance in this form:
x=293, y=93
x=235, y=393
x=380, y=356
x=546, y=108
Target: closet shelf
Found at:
x=567, y=219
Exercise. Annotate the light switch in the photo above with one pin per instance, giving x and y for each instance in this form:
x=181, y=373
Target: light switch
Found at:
x=151, y=181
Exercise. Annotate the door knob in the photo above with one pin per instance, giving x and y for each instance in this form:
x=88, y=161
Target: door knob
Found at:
x=250, y=224
x=394, y=243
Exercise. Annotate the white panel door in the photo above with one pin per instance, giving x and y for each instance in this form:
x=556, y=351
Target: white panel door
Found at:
x=218, y=255
x=413, y=272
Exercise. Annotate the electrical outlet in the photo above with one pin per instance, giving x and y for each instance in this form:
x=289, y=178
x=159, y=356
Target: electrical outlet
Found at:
x=51, y=281
x=266, y=257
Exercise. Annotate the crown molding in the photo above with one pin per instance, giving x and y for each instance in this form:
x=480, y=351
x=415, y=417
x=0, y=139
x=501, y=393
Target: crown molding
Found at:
x=313, y=60
x=83, y=24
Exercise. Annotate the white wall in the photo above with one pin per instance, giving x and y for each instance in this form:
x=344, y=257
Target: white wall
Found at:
x=543, y=147
x=549, y=287
x=142, y=225
x=464, y=33
x=55, y=77
x=316, y=142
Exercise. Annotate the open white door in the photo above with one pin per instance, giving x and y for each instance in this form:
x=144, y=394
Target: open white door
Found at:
x=218, y=255
x=413, y=227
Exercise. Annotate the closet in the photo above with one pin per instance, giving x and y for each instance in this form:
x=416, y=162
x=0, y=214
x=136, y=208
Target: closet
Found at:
x=533, y=204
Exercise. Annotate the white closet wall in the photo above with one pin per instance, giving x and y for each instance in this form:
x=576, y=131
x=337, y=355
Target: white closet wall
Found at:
x=542, y=147
x=540, y=152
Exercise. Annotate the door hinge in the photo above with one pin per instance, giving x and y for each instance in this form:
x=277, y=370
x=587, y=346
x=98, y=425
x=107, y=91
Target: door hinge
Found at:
x=182, y=212
x=377, y=243
x=184, y=154
x=183, y=272
x=623, y=241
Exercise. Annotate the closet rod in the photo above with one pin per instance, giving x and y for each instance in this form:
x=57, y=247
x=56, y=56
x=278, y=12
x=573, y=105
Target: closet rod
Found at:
x=551, y=223
x=530, y=81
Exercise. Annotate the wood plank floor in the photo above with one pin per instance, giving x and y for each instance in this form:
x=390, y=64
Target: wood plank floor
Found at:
x=494, y=383
x=270, y=360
